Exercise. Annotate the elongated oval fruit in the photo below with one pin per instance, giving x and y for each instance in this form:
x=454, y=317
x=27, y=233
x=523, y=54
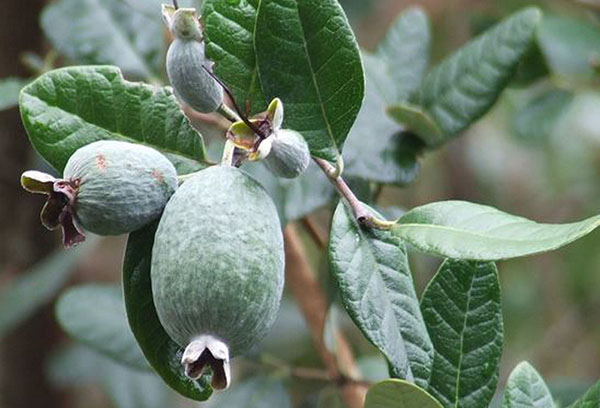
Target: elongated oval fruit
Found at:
x=217, y=269
x=187, y=64
x=108, y=188
x=289, y=155
x=120, y=186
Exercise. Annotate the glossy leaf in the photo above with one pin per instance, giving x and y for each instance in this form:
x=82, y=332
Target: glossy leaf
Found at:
x=126, y=34
x=464, y=87
x=591, y=399
x=9, y=92
x=256, y=392
x=526, y=389
x=377, y=149
x=571, y=46
x=463, y=230
x=463, y=313
x=405, y=50
x=95, y=316
x=68, y=108
x=377, y=290
x=229, y=35
x=31, y=290
x=163, y=354
x=399, y=394
x=307, y=56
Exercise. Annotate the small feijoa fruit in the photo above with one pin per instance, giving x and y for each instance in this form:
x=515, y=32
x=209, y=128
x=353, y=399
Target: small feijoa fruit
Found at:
x=217, y=269
x=187, y=64
x=289, y=155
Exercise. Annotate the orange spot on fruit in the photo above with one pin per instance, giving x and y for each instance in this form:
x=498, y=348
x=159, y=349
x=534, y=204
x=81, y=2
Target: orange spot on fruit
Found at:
x=101, y=162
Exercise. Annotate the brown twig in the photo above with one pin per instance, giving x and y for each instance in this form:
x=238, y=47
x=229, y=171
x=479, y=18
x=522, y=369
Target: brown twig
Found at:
x=301, y=280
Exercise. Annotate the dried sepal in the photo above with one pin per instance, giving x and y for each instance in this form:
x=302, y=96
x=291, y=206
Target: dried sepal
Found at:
x=208, y=352
x=37, y=182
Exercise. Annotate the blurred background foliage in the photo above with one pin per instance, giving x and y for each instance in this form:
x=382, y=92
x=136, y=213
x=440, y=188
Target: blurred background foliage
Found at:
x=537, y=154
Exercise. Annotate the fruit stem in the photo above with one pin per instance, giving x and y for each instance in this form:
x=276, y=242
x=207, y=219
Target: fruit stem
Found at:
x=362, y=215
x=228, y=151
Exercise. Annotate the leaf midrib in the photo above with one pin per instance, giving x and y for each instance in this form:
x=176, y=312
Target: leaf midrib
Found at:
x=314, y=79
x=462, y=338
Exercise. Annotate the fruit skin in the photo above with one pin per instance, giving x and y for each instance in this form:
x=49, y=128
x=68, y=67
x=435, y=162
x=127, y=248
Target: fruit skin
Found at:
x=289, y=156
x=120, y=186
x=217, y=261
x=185, y=65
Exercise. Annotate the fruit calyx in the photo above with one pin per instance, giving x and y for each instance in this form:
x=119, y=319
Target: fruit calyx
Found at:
x=207, y=351
x=59, y=210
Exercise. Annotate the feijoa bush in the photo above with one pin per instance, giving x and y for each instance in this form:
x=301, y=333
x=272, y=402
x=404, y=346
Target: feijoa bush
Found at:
x=204, y=268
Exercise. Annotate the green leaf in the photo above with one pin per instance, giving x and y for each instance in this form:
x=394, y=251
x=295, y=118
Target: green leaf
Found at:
x=526, y=389
x=256, y=392
x=418, y=122
x=307, y=56
x=405, y=50
x=591, y=399
x=68, y=108
x=463, y=313
x=9, y=92
x=128, y=34
x=535, y=122
x=377, y=149
x=465, y=86
x=295, y=198
x=95, y=316
x=163, y=354
x=571, y=46
x=28, y=292
x=399, y=394
x=229, y=35
x=463, y=230
x=377, y=290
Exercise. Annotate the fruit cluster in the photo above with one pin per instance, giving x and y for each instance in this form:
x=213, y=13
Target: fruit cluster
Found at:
x=218, y=261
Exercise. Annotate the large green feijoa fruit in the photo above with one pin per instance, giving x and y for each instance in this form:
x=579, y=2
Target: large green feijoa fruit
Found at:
x=217, y=269
x=108, y=188
x=187, y=64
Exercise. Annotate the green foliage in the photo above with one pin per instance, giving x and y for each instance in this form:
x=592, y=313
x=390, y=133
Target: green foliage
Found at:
x=591, y=398
x=126, y=387
x=376, y=149
x=108, y=32
x=466, y=85
x=307, y=56
x=462, y=311
x=535, y=122
x=9, y=92
x=95, y=316
x=68, y=108
x=570, y=46
x=376, y=287
x=405, y=51
x=229, y=35
x=526, y=389
x=399, y=394
x=163, y=354
x=463, y=230
x=37, y=286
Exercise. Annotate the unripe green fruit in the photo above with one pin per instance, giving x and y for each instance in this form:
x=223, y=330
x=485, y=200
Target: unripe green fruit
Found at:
x=218, y=268
x=120, y=187
x=186, y=65
x=289, y=156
